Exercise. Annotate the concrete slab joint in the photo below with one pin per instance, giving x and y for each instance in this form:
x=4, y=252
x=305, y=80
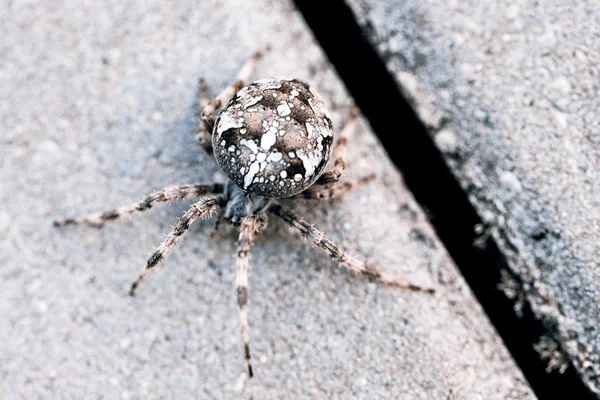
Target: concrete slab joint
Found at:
x=510, y=95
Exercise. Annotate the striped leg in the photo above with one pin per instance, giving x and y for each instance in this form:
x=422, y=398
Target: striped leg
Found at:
x=203, y=136
x=340, y=151
x=208, y=108
x=203, y=208
x=334, y=191
x=356, y=265
x=166, y=195
x=248, y=228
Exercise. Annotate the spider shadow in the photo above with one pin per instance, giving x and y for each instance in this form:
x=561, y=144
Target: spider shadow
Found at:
x=179, y=150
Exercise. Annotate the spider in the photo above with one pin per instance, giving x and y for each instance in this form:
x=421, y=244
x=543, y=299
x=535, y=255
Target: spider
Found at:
x=273, y=140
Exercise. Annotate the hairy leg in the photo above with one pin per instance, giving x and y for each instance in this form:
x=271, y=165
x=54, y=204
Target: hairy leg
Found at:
x=334, y=191
x=203, y=208
x=166, y=195
x=337, y=254
x=209, y=107
x=248, y=228
x=340, y=151
x=203, y=91
x=203, y=135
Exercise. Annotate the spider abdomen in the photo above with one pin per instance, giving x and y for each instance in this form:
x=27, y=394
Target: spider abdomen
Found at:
x=273, y=138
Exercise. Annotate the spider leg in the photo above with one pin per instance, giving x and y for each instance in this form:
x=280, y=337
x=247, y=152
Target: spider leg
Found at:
x=166, y=195
x=337, y=254
x=203, y=208
x=339, y=165
x=334, y=191
x=203, y=90
x=209, y=107
x=203, y=136
x=248, y=228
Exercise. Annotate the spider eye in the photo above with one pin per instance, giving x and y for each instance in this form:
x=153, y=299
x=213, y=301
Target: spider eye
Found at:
x=273, y=138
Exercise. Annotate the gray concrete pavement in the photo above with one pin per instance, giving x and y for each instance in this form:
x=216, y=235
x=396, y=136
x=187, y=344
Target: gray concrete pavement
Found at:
x=510, y=93
x=99, y=108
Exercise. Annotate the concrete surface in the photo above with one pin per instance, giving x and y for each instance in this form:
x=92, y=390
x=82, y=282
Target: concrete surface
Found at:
x=511, y=95
x=99, y=108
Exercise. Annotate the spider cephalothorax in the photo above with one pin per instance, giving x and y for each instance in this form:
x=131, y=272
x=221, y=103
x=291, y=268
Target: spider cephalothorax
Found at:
x=273, y=140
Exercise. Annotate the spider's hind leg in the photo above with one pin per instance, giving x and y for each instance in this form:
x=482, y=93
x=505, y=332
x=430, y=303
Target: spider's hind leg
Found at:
x=339, y=165
x=168, y=194
x=337, y=254
x=334, y=191
x=207, y=120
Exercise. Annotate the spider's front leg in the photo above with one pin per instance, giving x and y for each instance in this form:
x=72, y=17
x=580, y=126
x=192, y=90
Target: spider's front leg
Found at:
x=249, y=226
x=166, y=195
x=207, y=120
x=201, y=209
x=336, y=253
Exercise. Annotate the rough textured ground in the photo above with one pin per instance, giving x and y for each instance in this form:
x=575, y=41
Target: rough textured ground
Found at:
x=99, y=108
x=512, y=95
